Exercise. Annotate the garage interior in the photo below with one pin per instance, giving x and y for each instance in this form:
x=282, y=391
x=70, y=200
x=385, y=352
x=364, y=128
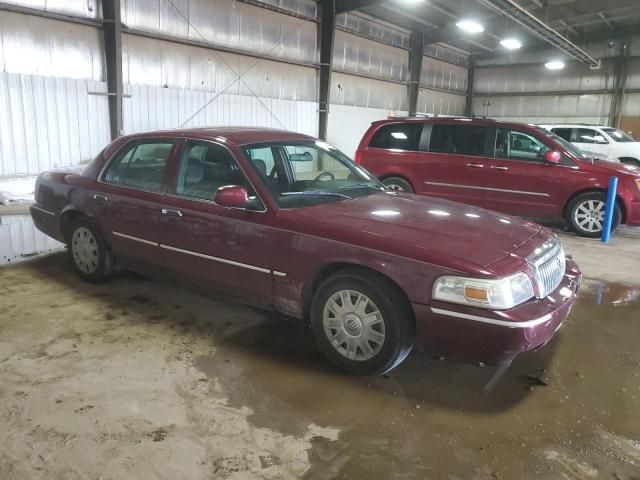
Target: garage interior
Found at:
x=142, y=378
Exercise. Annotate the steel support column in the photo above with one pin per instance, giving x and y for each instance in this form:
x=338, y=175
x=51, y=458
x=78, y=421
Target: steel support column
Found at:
x=326, y=33
x=471, y=72
x=416, y=54
x=113, y=53
x=619, y=90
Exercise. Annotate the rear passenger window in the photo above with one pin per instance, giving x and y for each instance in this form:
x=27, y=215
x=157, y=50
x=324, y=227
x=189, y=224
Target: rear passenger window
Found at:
x=458, y=139
x=398, y=136
x=564, y=133
x=140, y=165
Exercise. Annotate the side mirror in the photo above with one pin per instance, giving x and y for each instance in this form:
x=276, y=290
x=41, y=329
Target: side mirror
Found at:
x=234, y=196
x=552, y=157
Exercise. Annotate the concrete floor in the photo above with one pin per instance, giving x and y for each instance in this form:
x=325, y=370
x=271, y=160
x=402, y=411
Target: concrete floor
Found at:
x=143, y=379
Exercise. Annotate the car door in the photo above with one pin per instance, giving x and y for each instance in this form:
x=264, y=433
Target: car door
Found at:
x=208, y=245
x=453, y=162
x=127, y=206
x=519, y=182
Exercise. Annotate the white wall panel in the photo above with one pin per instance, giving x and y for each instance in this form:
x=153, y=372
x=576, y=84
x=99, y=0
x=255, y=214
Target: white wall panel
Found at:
x=441, y=103
x=19, y=237
x=40, y=46
x=364, y=92
x=79, y=8
x=631, y=105
x=347, y=125
x=153, y=108
x=49, y=122
x=226, y=23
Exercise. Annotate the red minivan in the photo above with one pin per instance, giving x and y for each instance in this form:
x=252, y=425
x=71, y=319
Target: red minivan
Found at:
x=513, y=168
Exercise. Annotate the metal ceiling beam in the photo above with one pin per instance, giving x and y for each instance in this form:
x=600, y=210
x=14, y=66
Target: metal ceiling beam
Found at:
x=513, y=11
x=416, y=55
x=343, y=6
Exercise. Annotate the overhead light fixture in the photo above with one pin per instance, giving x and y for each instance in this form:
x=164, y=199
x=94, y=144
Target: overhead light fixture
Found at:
x=554, y=65
x=511, y=43
x=470, y=26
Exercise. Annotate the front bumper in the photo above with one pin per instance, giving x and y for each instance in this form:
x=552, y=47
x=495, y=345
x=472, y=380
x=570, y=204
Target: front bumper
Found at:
x=496, y=336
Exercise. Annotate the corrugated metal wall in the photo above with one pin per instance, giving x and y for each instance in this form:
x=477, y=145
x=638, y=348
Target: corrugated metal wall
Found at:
x=529, y=92
x=50, y=66
x=19, y=237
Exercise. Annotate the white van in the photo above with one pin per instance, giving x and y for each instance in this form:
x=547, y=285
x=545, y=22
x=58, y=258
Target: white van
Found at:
x=600, y=139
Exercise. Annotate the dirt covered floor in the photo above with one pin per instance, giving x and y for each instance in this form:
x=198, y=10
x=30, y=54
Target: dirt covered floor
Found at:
x=141, y=379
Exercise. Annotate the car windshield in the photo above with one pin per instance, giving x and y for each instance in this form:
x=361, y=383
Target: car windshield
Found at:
x=570, y=147
x=306, y=173
x=618, y=135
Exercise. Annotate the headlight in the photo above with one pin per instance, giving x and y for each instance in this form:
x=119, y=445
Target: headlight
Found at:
x=497, y=294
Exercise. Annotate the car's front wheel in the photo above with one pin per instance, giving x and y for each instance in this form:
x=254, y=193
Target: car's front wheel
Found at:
x=398, y=184
x=585, y=214
x=362, y=323
x=88, y=251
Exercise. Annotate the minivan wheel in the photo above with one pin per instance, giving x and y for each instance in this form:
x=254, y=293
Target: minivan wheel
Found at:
x=362, y=323
x=585, y=214
x=88, y=251
x=398, y=184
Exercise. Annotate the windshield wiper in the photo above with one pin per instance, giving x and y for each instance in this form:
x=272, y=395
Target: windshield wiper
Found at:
x=318, y=193
x=360, y=185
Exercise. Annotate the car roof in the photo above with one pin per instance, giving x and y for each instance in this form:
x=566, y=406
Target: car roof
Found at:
x=235, y=135
x=449, y=120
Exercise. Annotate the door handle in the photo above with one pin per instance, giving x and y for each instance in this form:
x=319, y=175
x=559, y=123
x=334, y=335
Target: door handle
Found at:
x=100, y=199
x=503, y=169
x=475, y=165
x=171, y=213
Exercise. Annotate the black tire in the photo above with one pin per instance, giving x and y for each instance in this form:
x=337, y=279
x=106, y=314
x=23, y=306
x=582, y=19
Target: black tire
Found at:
x=398, y=184
x=581, y=202
x=396, y=317
x=82, y=254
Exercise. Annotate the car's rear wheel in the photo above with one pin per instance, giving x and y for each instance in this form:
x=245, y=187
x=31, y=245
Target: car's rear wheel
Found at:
x=88, y=251
x=362, y=323
x=398, y=184
x=630, y=161
x=585, y=214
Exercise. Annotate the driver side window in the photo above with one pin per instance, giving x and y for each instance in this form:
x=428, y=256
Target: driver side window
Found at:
x=205, y=167
x=516, y=145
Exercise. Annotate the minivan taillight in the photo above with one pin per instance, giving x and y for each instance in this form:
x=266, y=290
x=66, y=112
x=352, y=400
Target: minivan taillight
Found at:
x=358, y=157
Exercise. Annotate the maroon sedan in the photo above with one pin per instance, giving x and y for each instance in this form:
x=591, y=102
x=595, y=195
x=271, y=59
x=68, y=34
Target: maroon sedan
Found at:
x=286, y=222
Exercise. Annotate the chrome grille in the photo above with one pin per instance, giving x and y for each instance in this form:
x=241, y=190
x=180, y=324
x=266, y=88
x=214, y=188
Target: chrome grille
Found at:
x=548, y=265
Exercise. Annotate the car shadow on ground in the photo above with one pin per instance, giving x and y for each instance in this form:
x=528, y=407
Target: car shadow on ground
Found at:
x=265, y=358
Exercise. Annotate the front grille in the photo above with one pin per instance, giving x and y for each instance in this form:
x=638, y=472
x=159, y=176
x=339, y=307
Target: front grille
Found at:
x=548, y=264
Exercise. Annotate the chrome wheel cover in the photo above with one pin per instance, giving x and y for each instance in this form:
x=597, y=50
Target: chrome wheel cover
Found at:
x=353, y=325
x=589, y=215
x=85, y=250
x=395, y=187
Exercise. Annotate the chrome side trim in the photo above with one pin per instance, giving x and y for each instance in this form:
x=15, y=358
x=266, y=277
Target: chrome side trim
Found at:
x=215, y=259
x=43, y=210
x=473, y=187
x=135, y=239
x=493, y=321
x=279, y=274
x=439, y=184
x=536, y=194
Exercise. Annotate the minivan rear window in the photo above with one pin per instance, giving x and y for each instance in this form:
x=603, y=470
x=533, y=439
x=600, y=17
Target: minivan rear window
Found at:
x=458, y=139
x=400, y=136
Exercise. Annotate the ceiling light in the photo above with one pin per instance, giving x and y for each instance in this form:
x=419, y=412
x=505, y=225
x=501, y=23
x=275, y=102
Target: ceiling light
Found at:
x=470, y=26
x=511, y=43
x=554, y=65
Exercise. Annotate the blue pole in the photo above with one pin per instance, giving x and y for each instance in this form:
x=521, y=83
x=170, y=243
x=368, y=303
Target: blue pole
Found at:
x=609, y=209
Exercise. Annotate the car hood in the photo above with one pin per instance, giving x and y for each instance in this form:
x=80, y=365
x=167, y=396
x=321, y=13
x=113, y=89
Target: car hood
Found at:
x=427, y=229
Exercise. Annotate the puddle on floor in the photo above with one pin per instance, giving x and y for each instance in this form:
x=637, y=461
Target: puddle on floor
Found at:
x=20, y=239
